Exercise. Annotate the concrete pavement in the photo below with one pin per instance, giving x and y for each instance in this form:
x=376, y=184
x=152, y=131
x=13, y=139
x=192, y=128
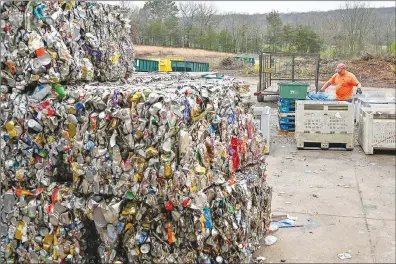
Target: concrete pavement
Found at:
x=344, y=199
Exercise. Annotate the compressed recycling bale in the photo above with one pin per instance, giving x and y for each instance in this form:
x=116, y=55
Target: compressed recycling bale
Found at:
x=43, y=225
x=172, y=171
x=70, y=41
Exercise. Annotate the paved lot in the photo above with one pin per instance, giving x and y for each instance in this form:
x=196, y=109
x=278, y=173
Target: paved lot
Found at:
x=344, y=199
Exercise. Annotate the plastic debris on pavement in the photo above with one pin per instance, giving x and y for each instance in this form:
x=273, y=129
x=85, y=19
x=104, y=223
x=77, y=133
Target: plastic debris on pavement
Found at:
x=270, y=240
x=344, y=256
x=48, y=43
x=287, y=222
x=260, y=259
x=163, y=169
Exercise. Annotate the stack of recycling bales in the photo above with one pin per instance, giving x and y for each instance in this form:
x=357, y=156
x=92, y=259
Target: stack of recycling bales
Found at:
x=163, y=169
x=165, y=174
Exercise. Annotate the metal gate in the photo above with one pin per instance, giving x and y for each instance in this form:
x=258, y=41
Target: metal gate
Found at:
x=279, y=66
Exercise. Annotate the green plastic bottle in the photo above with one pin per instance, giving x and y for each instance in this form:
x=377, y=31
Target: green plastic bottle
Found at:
x=60, y=90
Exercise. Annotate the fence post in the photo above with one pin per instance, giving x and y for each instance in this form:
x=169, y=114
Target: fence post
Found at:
x=293, y=68
x=317, y=73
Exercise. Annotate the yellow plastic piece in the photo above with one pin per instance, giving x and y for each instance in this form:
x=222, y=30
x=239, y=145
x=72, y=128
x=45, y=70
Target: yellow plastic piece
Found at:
x=10, y=126
x=202, y=220
x=18, y=233
x=115, y=57
x=72, y=130
x=165, y=64
x=167, y=169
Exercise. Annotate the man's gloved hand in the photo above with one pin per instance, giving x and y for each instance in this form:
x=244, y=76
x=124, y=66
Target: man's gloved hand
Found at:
x=359, y=89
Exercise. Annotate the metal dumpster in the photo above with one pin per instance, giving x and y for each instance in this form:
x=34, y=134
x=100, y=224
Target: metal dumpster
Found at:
x=189, y=66
x=245, y=59
x=165, y=64
x=144, y=65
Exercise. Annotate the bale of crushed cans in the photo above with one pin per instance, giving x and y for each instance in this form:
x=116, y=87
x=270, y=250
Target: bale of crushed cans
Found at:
x=47, y=43
x=163, y=169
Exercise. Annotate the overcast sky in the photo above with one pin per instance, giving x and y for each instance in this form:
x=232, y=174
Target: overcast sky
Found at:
x=252, y=7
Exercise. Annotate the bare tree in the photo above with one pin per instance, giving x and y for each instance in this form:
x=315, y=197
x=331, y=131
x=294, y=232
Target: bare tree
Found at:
x=390, y=34
x=139, y=23
x=356, y=18
x=206, y=13
x=188, y=19
x=125, y=4
x=233, y=22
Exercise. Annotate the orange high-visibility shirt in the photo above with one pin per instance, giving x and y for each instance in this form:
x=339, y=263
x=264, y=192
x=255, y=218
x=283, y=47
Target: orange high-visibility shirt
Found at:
x=344, y=85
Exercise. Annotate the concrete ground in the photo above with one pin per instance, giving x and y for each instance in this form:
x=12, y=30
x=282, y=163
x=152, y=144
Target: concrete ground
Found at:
x=344, y=199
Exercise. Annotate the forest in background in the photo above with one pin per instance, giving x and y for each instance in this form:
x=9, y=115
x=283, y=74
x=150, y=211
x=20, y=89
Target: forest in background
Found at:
x=354, y=30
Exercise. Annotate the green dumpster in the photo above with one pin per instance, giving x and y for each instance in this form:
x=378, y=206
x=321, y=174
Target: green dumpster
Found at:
x=144, y=65
x=189, y=66
x=293, y=90
x=245, y=59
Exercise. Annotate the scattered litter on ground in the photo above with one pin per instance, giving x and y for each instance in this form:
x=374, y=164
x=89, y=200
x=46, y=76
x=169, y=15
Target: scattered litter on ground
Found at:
x=344, y=256
x=270, y=240
x=345, y=186
x=273, y=228
x=285, y=222
x=260, y=259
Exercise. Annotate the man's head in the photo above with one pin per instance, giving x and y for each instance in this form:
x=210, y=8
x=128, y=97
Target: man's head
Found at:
x=340, y=68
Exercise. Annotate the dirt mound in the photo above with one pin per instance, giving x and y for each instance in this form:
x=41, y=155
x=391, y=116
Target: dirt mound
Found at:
x=230, y=63
x=227, y=62
x=369, y=70
x=199, y=55
x=374, y=70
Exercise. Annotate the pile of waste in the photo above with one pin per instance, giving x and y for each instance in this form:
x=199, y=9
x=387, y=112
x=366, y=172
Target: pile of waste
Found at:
x=167, y=171
x=158, y=168
x=52, y=42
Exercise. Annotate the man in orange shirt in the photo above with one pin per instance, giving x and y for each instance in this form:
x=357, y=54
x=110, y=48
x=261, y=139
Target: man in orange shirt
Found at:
x=344, y=82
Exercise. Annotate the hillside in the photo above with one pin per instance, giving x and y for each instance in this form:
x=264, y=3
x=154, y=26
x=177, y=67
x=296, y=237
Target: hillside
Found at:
x=350, y=32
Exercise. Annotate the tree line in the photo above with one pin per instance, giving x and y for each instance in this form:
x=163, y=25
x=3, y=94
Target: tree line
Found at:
x=353, y=30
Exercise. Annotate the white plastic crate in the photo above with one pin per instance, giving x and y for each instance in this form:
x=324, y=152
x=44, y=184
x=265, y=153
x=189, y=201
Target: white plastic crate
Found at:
x=377, y=129
x=325, y=141
x=366, y=102
x=374, y=94
x=262, y=120
x=324, y=117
